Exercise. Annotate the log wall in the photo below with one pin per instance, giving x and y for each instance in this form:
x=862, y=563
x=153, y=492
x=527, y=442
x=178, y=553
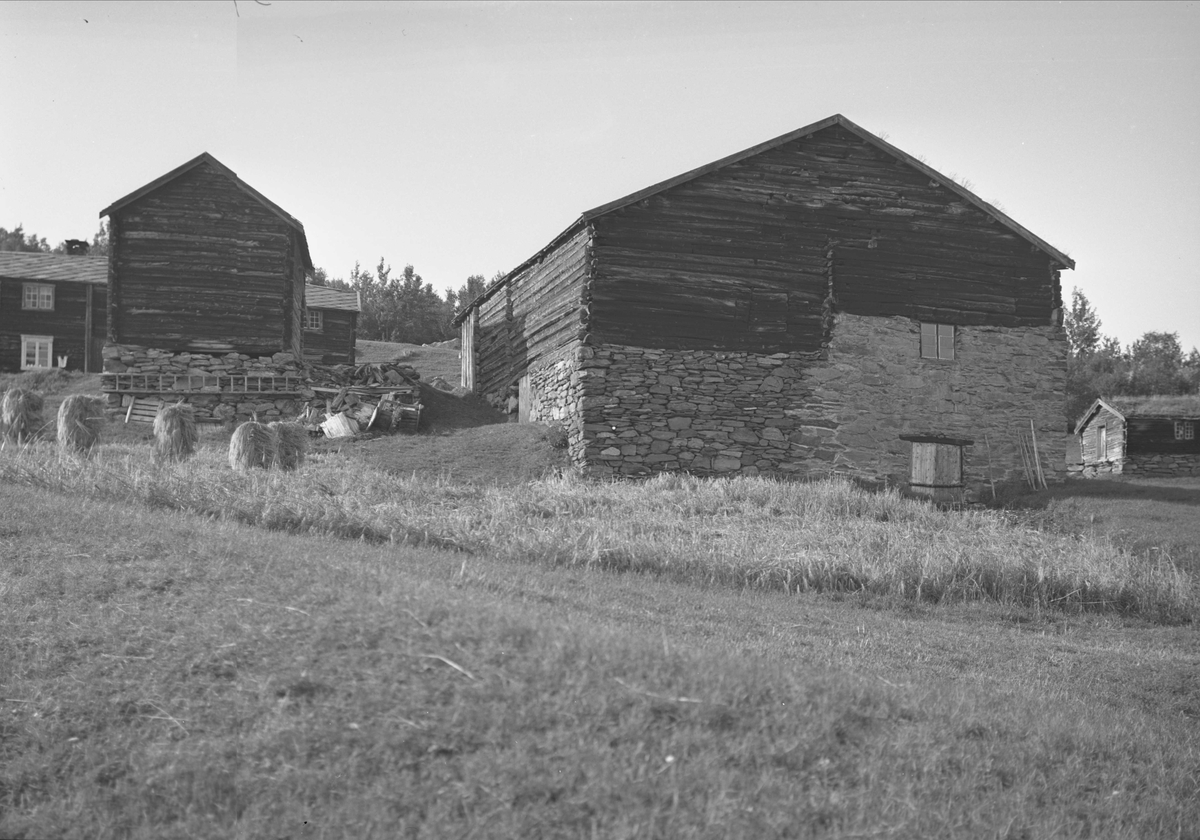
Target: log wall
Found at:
x=67, y=323
x=1089, y=442
x=757, y=255
x=334, y=343
x=540, y=310
x=200, y=265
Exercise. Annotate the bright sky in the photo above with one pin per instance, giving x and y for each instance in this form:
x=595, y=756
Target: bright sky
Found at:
x=461, y=137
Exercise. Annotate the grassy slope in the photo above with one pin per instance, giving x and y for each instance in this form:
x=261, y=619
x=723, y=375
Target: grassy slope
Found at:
x=168, y=676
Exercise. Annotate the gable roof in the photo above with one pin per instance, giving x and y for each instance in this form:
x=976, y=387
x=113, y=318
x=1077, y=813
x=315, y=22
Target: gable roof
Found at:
x=1161, y=407
x=58, y=268
x=1057, y=256
x=324, y=297
x=206, y=158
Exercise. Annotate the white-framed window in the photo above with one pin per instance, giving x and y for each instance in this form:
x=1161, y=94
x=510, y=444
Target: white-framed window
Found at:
x=314, y=320
x=1102, y=443
x=937, y=341
x=37, y=351
x=1185, y=430
x=37, y=296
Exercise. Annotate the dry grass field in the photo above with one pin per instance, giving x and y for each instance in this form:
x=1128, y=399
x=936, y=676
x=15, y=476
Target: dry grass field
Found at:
x=448, y=635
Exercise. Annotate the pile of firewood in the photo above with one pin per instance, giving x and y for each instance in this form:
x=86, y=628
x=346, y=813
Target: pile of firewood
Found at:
x=350, y=399
x=377, y=375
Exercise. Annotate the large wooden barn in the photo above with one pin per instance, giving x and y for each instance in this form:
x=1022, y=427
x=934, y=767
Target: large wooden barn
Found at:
x=820, y=302
x=1141, y=436
x=52, y=311
x=206, y=295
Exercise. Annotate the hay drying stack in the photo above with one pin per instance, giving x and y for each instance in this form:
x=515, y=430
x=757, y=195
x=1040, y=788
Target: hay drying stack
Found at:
x=291, y=444
x=252, y=445
x=80, y=420
x=20, y=414
x=175, y=434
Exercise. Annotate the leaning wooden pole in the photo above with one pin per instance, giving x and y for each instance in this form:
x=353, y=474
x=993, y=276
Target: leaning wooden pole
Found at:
x=1037, y=458
x=991, y=480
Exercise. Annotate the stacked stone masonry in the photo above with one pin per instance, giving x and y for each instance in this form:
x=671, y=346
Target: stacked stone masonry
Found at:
x=205, y=384
x=1161, y=465
x=635, y=411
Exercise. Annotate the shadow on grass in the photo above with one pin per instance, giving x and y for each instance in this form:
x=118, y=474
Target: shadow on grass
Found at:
x=1100, y=488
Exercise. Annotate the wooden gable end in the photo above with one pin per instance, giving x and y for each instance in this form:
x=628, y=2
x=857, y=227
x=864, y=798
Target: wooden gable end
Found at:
x=199, y=264
x=758, y=254
x=1102, y=437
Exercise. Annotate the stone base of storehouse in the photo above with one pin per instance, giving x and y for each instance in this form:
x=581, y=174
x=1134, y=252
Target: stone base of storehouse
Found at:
x=637, y=411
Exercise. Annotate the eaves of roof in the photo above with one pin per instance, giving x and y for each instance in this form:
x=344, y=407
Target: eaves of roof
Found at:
x=58, y=268
x=324, y=297
x=206, y=158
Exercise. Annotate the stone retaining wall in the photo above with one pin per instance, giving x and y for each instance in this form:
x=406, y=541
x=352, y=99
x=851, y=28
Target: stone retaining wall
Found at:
x=646, y=410
x=203, y=391
x=1161, y=465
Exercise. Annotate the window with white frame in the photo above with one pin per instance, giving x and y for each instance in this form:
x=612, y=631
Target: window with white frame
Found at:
x=1185, y=430
x=937, y=341
x=37, y=351
x=313, y=320
x=38, y=296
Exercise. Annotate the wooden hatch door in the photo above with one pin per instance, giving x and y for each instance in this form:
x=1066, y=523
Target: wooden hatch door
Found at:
x=937, y=467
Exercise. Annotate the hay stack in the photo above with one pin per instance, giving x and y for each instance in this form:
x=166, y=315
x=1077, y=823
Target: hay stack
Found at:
x=292, y=443
x=20, y=414
x=252, y=445
x=80, y=420
x=175, y=434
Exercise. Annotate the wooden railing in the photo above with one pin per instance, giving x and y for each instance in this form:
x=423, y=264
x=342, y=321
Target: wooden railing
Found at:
x=182, y=383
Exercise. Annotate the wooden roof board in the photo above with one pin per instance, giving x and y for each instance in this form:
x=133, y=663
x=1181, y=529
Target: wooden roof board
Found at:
x=59, y=268
x=206, y=158
x=325, y=297
x=588, y=216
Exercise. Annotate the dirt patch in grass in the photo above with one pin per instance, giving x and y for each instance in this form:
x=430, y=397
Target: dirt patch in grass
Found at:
x=505, y=453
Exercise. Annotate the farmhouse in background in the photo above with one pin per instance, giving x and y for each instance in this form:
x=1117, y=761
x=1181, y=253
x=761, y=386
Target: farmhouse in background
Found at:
x=1141, y=436
x=52, y=310
x=330, y=324
x=820, y=302
x=206, y=294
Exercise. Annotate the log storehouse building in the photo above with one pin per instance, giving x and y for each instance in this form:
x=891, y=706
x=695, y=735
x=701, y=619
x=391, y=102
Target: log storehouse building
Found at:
x=820, y=302
x=206, y=296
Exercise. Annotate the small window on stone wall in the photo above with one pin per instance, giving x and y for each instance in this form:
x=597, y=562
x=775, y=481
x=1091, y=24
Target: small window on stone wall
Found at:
x=1185, y=430
x=937, y=341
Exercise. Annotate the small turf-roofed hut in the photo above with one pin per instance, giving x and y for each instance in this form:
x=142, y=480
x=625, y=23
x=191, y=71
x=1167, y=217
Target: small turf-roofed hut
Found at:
x=53, y=311
x=201, y=261
x=1141, y=436
x=820, y=302
x=330, y=324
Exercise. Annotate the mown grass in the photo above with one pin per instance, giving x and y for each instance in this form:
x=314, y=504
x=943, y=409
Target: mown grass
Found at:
x=755, y=533
x=165, y=675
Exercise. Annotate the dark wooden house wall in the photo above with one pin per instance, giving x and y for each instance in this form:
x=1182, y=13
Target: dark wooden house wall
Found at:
x=67, y=322
x=334, y=342
x=539, y=310
x=198, y=264
x=1148, y=435
x=756, y=255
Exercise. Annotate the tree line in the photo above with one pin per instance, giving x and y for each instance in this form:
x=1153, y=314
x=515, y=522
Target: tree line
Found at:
x=18, y=240
x=402, y=307
x=1099, y=367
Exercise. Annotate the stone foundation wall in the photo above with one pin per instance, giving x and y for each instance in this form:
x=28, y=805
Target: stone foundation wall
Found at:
x=204, y=390
x=647, y=410
x=555, y=390
x=1161, y=465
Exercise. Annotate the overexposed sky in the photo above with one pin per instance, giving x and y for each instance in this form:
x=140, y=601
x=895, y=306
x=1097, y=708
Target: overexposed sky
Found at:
x=461, y=137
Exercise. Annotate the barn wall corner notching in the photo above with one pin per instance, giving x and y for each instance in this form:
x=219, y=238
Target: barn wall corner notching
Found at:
x=805, y=306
